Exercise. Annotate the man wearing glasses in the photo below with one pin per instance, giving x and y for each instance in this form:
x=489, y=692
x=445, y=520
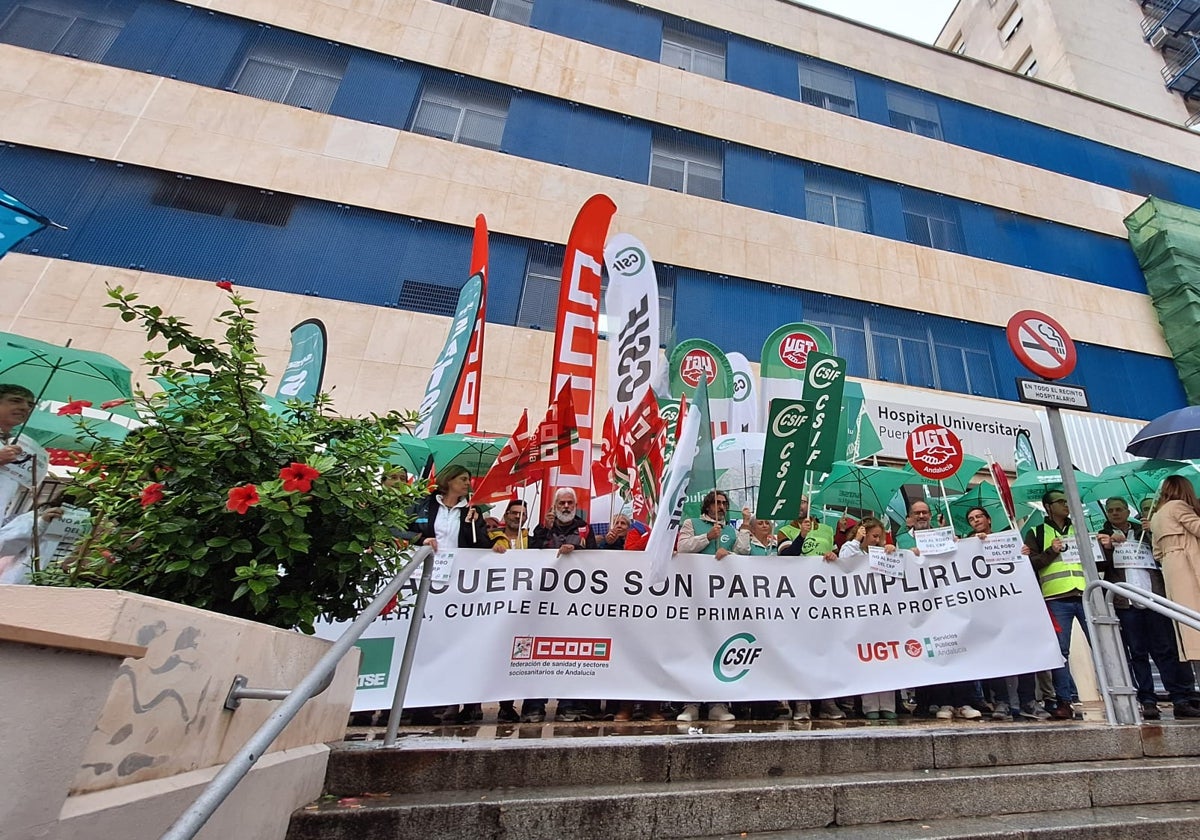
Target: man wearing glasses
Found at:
x=1055, y=558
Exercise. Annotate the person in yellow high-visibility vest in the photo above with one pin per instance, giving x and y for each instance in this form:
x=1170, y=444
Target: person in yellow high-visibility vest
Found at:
x=1055, y=558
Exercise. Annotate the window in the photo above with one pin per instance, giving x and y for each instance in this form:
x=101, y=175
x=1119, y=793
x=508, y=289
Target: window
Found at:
x=463, y=116
x=914, y=112
x=200, y=195
x=965, y=371
x=931, y=220
x=1027, y=66
x=686, y=166
x=1010, y=24
x=291, y=74
x=517, y=11
x=428, y=297
x=831, y=88
x=848, y=342
x=543, y=276
x=905, y=360
x=693, y=53
x=64, y=27
x=837, y=199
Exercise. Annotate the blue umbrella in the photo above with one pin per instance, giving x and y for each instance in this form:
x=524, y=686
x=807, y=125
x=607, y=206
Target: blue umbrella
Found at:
x=17, y=221
x=1174, y=436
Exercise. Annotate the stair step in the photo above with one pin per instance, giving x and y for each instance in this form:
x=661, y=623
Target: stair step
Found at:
x=703, y=808
x=420, y=764
x=1168, y=821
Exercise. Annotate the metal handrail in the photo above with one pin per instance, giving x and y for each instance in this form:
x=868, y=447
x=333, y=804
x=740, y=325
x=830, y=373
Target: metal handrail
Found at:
x=1119, y=697
x=315, y=681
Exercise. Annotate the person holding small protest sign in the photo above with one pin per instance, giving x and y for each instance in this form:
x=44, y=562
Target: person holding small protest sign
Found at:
x=807, y=536
x=1055, y=558
x=23, y=462
x=1128, y=558
x=876, y=705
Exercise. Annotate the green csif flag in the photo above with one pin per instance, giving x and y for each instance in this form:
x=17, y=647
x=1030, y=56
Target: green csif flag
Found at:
x=1023, y=457
x=443, y=379
x=789, y=433
x=305, y=369
x=824, y=382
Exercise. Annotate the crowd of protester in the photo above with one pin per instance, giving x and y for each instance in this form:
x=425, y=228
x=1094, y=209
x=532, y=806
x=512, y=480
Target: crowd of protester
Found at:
x=447, y=520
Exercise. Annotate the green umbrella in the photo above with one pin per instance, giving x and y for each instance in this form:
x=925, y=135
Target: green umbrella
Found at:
x=1029, y=487
x=1137, y=479
x=475, y=452
x=63, y=374
x=77, y=433
x=984, y=495
x=960, y=482
x=411, y=453
x=850, y=485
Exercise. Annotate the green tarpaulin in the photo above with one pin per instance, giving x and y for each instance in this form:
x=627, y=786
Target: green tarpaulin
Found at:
x=1166, y=239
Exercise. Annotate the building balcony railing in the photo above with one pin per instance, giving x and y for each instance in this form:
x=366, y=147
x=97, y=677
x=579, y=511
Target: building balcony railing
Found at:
x=1182, y=72
x=1166, y=18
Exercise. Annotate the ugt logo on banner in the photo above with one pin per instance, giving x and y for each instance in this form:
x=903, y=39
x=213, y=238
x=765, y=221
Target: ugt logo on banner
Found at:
x=934, y=451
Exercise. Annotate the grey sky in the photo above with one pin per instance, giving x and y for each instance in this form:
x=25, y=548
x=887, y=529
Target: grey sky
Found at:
x=919, y=19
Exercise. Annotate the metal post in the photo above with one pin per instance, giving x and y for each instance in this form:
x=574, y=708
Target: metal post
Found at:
x=235, y=769
x=410, y=649
x=1108, y=649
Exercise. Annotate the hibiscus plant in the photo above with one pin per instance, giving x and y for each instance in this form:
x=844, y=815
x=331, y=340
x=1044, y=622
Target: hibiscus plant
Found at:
x=221, y=503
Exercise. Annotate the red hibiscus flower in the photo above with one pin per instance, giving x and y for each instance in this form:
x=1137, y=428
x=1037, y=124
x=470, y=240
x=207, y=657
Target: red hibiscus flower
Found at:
x=114, y=403
x=298, y=477
x=225, y=284
x=241, y=499
x=152, y=493
x=75, y=407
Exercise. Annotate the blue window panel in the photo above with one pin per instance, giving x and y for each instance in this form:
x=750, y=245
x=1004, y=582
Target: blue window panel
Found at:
x=588, y=139
x=872, y=98
x=618, y=26
x=764, y=181
x=740, y=328
x=851, y=345
x=206, y=49
x=507, y=258
x=760, y=66
x=887, y=213
x=952, y=370
x=146, y=35
x=358, y=96
x=889, y=361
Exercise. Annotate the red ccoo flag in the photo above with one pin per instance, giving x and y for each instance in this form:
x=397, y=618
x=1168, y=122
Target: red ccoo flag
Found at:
x=497, y=485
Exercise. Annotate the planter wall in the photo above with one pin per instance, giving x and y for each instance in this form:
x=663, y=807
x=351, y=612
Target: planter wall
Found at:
x=134, y=749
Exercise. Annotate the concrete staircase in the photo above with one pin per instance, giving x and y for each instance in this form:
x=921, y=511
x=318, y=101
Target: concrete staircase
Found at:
x=1036, y=780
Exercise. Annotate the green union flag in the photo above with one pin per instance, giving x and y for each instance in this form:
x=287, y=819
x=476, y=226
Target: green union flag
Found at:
x=789, y=433
x=824, y=382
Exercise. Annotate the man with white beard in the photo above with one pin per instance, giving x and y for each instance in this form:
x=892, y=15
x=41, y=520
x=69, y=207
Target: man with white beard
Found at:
x=567, y=530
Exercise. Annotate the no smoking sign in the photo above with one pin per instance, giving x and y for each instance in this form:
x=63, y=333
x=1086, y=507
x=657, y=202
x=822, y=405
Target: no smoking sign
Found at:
x=1041, y=344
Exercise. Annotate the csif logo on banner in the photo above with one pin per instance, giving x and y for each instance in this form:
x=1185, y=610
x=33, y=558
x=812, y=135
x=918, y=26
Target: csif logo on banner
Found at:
x=735, y=656
x=791, y=419
x=628, y=261
x=697, y=363
x=741, y=386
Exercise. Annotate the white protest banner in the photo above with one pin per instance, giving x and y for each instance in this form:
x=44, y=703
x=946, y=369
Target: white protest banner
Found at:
x=588, y=624
x=1131, y=554
x=884, y=563
x=58, y=538
x=1002, y=547
x=631, y=302
x=934, y=541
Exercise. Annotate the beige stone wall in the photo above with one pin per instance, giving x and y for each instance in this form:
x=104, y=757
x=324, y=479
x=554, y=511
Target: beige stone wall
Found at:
x=1093, y=47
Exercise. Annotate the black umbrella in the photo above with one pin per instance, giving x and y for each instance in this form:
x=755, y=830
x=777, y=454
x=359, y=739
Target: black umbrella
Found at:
x=1174, y=436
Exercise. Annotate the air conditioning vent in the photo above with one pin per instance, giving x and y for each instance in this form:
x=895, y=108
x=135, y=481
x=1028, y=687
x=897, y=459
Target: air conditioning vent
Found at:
x=1157, y=37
